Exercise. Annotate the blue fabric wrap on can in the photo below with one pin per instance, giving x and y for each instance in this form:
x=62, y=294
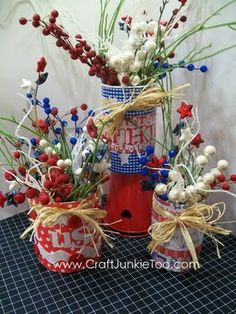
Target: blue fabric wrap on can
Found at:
x=125, y=159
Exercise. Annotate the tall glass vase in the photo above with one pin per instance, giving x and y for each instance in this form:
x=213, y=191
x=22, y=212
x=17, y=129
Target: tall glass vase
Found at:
x=128, y=207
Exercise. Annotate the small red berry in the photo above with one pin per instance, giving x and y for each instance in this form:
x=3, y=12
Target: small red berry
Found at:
x=36, y=18
x=78, y=36
x=183, y=18
x=66, y=46
x=58, y=199
x=51, y=27
x=48, y=184
x=91, y=54
x=10, y=175
x=59, y=42
x=35, y=24
x=54, y=13
x=75, y=56
x=19, y=198
x=63, y=178
x=23, y=20
x=52, y=20
x=221, y=178
x=83, y=107
x=52, y=161
x=22, y=170
x=43, y=157
x=92, y=71
x=31, y=193
x=226, y=186
x=43, y=198
x=54, y=111
x=46, y=31
x=125, y=80
x=176, y=25
x=74, y=111
x=175, y=11
x=17, y=154
x=83, y=59
x=233, y=177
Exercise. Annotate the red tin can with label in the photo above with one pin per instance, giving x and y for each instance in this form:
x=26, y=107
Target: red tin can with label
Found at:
x=68, y=246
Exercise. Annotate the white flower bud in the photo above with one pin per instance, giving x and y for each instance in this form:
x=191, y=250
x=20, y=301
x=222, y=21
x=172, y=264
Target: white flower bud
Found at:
x=216, y=172
x=150, y=46
x=135, y=80
x=43, y=143
x=183, y=197
x=173, y=195
x=161, y=188
x=61, y=163
x=200, y=186
x=201, y=160
x=78, y=171
x=151, y=26
x=208, y=178
x=136, y=66
x=191, y=190
x=58, y=146
x=49, y=150
x=173, y=175
x=222, y=164
x=128, y=56
x=209, y=150
x=68, y=162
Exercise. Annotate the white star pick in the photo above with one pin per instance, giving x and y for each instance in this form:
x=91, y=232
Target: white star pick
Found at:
x=26, y=84
x=186, y=135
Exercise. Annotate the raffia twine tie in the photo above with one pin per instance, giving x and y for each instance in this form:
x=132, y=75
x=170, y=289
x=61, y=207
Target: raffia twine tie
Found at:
x=149, y=98
x=49, y=216
x=197, y=216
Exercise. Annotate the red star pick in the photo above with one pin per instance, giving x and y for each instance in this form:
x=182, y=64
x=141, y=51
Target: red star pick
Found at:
x=2, y=199
x=197, y=140
x=185, y=110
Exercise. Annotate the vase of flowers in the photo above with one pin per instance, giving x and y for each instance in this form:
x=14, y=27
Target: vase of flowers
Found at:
x=59, y=169
x=181, y=214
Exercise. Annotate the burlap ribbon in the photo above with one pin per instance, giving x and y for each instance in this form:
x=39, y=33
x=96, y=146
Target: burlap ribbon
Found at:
x=149, y=98
x=197, y=216
x=49, y=216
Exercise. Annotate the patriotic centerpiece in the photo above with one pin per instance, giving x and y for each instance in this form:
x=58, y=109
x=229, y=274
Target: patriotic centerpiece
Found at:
x=57, y=163
x=182, y=183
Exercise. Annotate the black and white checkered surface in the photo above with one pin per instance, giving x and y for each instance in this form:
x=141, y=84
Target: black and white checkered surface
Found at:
x=27, y=287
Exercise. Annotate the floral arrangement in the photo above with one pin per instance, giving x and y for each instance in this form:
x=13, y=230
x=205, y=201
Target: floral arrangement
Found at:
x=146, y=53
x=181, y=177
x=64, y=158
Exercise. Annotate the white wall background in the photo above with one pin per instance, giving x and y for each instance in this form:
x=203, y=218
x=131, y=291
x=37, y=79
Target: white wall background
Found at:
x=69, y=85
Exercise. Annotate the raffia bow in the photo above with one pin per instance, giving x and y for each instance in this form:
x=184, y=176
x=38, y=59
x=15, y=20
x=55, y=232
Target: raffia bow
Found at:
x=197, y=216
x=147, y=99
x=86, y=211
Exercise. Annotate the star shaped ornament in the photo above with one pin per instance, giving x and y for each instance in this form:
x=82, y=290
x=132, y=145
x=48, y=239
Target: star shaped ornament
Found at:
x=197, y=140
x=124, y=159
x=185, y=110
x=27, y=85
